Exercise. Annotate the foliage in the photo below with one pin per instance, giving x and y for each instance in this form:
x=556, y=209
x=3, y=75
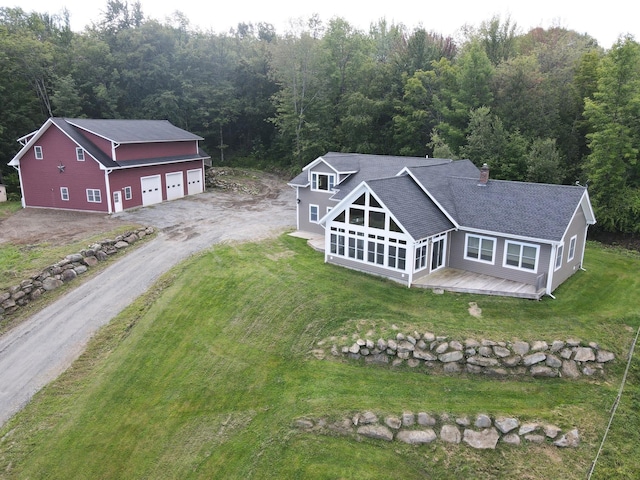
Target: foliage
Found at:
x=205, y=375
x=262, y=97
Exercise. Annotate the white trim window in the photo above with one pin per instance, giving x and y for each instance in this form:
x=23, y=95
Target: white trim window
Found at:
x=421, y=256
x=64, y=193
x=521, y=256
x=479, y=249
x=80, y=154
x=93, y=195
x=322, y=182
x=313, y=213
x=572, y=248
x=559, y=255
x=128, y=195
x=37, y=151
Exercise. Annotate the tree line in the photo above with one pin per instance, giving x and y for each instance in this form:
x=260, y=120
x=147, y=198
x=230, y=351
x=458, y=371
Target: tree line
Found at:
x=547, y=105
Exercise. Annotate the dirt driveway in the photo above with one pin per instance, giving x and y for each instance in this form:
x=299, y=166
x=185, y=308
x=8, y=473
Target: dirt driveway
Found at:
x=36, y=351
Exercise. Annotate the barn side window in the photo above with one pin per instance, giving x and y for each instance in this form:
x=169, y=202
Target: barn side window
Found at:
x=37, y=150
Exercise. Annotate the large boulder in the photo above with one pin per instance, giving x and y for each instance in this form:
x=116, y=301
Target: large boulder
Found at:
x=416, y=436
x=485, y=439
x=379, y=432
x=450, y=434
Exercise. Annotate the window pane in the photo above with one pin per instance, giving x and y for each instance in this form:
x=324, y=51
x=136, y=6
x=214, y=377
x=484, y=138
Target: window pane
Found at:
x=356, y=216
x=380, y=253
x=392, y=256
x=402, y=258
x=487, y=250
x=376, y=220
x=360, y=200
x=473, y=247
x=371, y=252
x=528, y=257
x=352, y=247
x=323, y=182
x=360, y=249
x=373, y=202
x=393, y=226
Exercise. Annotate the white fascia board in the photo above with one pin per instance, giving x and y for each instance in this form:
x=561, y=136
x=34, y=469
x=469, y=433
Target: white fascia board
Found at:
x=433, y=199
x=523, y=238
x=391, y=215
x=585, y=204
x=15, y=161
x=353, y=194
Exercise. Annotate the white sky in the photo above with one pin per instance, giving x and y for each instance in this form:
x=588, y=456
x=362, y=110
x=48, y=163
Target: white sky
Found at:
x=605, y=21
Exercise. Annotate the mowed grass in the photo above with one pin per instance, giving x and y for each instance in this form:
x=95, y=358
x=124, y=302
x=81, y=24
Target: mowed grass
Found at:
x=206, y=374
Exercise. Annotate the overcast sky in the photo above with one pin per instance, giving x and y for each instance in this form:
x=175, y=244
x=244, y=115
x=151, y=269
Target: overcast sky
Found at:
x=605, y=21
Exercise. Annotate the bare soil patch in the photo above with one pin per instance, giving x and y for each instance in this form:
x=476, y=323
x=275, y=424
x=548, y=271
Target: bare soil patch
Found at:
x=55, y=227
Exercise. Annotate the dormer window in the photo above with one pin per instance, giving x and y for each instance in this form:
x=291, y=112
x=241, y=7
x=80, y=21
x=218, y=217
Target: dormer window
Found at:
x=80, y=154
x=37, y=150
x=323, y=181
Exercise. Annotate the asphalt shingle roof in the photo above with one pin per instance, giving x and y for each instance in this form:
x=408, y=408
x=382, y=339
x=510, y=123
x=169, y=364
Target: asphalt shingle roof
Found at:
x=134, y=131
x=414, y=210
x=368, y=167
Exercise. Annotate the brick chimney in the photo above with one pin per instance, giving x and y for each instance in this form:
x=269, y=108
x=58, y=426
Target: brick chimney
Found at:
x=484, y=176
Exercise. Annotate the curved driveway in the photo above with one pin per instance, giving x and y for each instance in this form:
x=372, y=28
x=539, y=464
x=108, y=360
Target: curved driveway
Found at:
x=41, y=348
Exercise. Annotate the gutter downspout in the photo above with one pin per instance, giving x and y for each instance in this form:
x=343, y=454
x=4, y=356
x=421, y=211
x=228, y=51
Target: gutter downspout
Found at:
x=552, y=257
x=108, y=187
x=22, y=200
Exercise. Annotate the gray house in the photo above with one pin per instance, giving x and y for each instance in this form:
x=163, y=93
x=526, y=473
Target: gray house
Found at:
x=440, y=223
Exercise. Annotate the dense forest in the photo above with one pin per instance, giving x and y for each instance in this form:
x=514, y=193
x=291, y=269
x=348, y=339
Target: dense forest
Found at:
x=548, y=105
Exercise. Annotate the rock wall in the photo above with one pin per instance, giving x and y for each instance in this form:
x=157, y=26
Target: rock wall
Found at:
x=64, y=271
x=570, y=358
x=483, y=432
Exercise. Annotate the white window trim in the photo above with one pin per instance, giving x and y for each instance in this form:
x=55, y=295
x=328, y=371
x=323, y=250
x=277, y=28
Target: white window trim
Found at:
x=91, y=192
x=559, y=256
x=128, y=193
x=521, y=244
x=479, y=259
x=80, y=154
x=64, y=192
x=572, y=251
x=331, y=182
x=37, y=152
x=311, y=207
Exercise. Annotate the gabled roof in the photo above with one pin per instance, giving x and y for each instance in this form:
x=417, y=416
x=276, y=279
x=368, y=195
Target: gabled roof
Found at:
x=414, y=210
x=361, y=167
x=133, y=131
x=430, y=199
x=140, y=129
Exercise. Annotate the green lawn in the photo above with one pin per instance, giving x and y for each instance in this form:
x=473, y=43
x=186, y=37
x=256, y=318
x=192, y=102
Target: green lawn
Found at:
x=205, y=375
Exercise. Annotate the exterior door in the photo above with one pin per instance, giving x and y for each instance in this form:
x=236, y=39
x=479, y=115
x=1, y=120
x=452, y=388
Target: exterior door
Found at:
x=117, y=201
x=194, y=181
x=438, y=252
x=151, y=190
x=175, y=185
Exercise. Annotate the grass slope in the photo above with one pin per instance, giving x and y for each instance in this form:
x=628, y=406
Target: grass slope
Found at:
x=204, y=376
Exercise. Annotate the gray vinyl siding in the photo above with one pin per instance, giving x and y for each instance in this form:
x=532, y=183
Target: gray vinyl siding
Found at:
x=308, y=197
x=457, y=260
x=576, y=227
x=398, y=276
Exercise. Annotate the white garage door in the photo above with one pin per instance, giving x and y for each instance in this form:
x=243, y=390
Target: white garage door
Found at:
x=175, y=185
x=151, y=190
x=194, y=181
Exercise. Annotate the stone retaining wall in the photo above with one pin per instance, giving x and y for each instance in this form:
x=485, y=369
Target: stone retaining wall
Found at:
x=64, y=271
x=570, y=358
x=483, y=432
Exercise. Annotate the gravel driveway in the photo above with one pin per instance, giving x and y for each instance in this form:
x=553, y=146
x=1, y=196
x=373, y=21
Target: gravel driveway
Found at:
x=41, y=348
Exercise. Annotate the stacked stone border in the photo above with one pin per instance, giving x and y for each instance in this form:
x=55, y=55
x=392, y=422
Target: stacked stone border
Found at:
x=483, y=432
x=56, y=275
x=569, y=358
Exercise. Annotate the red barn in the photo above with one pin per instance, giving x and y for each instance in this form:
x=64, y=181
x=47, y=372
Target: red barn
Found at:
x=108, y=165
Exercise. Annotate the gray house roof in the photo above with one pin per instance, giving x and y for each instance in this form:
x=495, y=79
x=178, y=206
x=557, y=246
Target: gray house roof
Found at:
x=413, y=209
x=134, y=131
x=120, y=131
x=361, y=167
